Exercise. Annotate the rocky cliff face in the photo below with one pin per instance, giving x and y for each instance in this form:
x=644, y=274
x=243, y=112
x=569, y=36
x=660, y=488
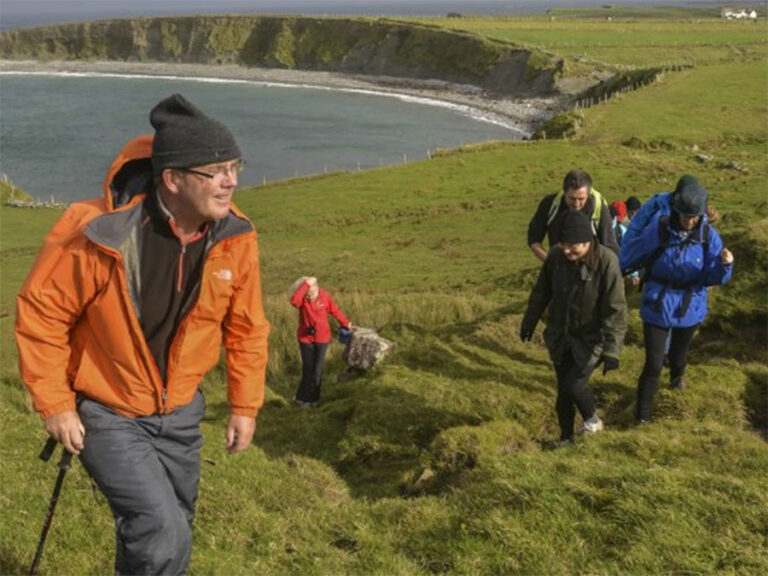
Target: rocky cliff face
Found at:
x=358, y=46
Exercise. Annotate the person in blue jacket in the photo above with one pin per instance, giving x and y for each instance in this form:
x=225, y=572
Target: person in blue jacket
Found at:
x=682, y=255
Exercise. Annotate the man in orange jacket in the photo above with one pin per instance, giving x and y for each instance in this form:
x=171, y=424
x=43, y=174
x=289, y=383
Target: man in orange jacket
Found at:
x=126, y=309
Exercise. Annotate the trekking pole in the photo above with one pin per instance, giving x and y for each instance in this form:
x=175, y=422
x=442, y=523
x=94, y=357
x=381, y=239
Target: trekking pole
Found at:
x=66, y=458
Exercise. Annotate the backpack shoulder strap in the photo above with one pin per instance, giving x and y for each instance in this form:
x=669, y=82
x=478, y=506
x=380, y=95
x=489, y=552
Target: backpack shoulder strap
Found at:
x=597, y=210
x=663, y=230
x=618, y=231
x=554, y=207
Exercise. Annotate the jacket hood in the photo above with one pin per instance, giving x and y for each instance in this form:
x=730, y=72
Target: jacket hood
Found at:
x=130, y=173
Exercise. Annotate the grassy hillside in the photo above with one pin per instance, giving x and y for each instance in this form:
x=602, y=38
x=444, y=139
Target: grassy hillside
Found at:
x=440, y=461
x=627, y=39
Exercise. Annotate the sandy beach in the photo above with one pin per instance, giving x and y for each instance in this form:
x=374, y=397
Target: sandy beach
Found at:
x=521, y=115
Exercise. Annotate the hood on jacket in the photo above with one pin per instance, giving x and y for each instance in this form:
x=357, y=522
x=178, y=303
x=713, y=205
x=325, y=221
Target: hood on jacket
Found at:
x=130, y=173
x=129, y=177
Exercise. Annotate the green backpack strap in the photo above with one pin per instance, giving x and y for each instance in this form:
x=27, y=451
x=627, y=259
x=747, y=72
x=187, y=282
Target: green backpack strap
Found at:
x=596, y=211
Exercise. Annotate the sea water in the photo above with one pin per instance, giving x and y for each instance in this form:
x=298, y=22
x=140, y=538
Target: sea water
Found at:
x=60, y=133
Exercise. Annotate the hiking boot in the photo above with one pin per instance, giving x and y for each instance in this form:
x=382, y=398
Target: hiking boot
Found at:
x=677, y=383
x=563, y=443
x=592, y=425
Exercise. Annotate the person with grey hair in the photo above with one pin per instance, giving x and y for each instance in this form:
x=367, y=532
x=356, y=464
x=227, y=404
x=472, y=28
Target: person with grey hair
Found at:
x=125, y=310
x=314, y=335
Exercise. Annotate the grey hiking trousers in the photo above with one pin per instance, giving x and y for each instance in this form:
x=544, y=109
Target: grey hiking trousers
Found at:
x=148, y=468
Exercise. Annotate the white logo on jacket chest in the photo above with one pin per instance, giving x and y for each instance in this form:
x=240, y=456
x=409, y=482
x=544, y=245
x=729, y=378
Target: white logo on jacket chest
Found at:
x=223, y=274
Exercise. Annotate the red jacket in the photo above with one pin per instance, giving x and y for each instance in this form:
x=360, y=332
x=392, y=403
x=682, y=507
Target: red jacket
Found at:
x=77, y=323
x=315, y=315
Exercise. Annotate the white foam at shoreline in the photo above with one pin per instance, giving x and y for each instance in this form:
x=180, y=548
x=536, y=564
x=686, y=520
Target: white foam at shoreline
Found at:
x=469, y=111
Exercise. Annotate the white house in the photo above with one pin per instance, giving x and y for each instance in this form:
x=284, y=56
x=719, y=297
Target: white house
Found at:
x=731, y=14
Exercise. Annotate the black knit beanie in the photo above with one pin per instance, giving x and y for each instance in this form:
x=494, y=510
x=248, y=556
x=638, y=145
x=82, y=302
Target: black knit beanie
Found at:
x=576, y=228
x=186, y=137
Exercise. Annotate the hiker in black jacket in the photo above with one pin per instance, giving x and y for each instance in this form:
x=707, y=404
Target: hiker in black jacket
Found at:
x=580, y=282
x=577, y=194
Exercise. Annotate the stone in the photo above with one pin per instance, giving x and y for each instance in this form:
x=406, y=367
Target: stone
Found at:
x=366, y=348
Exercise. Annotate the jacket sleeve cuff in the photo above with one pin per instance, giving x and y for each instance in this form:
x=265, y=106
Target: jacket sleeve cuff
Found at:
x=239, y=411
x=66, y=406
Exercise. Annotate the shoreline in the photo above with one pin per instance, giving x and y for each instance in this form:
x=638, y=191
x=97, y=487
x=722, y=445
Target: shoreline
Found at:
x=521, y=115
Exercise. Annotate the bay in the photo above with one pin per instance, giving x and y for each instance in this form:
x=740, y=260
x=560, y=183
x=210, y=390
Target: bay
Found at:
x=59, y=134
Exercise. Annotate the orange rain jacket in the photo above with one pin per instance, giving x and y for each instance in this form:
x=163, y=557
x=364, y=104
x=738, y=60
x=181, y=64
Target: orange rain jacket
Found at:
x=77, y=320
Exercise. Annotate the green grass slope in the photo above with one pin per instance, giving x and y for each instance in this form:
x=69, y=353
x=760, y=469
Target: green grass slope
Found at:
x=439, y=461
x=630, y=40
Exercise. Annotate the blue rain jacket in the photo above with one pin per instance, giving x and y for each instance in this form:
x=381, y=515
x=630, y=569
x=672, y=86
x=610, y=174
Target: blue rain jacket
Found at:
x=682, y=267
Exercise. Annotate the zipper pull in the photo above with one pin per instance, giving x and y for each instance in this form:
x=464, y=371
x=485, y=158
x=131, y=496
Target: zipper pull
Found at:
x=165, y=399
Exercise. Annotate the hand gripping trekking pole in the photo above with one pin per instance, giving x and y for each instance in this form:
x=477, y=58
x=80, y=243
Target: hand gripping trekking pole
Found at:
x=66, y=458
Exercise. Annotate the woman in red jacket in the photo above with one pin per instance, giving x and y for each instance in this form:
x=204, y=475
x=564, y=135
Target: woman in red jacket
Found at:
x=314, y=335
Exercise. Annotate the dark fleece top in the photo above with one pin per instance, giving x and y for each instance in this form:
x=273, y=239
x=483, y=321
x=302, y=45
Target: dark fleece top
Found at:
x=170, y=278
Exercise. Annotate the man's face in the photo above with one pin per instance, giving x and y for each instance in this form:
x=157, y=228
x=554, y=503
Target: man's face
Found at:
x=207, y=190
x=688, y=222
x=576, y=198
x=574, y=251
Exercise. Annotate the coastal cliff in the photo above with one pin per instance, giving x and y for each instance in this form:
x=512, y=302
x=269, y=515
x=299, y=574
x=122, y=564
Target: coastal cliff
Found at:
x=376, y=47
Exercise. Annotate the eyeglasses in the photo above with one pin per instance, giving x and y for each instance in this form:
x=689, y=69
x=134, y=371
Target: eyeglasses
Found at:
x=218, y=171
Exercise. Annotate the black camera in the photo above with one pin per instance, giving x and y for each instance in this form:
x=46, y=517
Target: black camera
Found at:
x=309, y=330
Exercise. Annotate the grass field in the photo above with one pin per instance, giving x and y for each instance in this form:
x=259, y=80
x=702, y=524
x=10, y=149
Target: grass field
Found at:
x=439, y=461
x=630, y=38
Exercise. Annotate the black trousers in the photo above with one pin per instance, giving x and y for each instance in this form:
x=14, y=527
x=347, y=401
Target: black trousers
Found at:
x=655, y=338
x=312, y=359
x=572, y=393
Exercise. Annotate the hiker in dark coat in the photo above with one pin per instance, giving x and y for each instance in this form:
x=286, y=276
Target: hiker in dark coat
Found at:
x=580, y=282
x=682, y=255
x=577, y=194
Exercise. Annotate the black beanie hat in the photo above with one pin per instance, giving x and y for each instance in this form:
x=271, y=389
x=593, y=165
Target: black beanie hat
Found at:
x=690, y=197
x=576, y=228
x=185, y=137
x=633, y=203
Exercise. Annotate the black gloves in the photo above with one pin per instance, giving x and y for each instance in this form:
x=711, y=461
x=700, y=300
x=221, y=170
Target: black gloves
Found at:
x=526, y=333
x=610, y=364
